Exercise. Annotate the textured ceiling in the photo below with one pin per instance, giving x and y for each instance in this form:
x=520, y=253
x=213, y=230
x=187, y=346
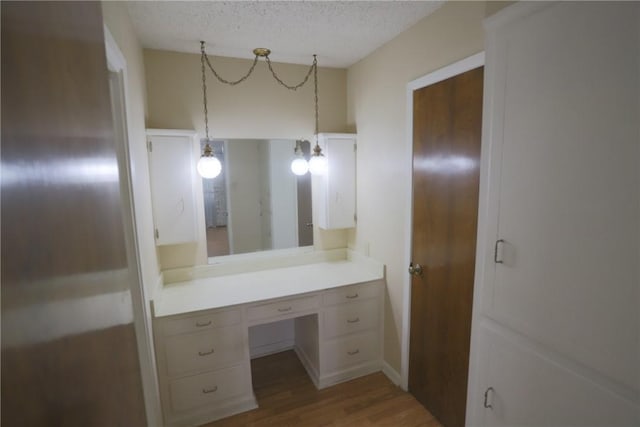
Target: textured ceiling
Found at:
x=339, y=32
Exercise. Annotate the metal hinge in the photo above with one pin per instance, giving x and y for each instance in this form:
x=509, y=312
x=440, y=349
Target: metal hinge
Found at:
x=157, y=234
x=355, y=217
x=149, y=145
x=355, y=147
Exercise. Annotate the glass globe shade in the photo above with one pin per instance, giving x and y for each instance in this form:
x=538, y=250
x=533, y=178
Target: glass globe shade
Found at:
x=318, y=165
x=299, y=166
x=209, y=167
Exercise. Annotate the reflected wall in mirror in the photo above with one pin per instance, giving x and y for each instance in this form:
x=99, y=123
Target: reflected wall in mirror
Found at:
x=257, y=203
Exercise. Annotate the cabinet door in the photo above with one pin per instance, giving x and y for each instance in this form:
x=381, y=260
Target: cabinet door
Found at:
x=172, y=166
x=530, y=389
x=338, y=184
x=569, y=184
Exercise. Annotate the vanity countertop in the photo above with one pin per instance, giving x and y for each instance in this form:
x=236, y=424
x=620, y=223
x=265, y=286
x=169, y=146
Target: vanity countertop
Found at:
x=223, y=291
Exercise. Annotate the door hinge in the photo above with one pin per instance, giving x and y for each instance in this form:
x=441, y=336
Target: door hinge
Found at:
x=355, y=147
x=150, y=145
x=355, y=217
x=157, y=234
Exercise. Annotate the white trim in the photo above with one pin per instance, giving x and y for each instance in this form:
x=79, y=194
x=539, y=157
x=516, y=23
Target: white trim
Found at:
x=172, y=132
x=436, y=76
x=141, y=314
x=464, y=65
x=392, y=374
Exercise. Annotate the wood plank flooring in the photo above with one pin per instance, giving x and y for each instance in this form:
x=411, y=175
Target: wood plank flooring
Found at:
x=287, y=397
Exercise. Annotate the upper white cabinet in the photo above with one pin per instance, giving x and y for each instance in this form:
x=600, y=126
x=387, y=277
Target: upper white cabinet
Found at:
x=172, y=169
x=337, y=200
x=556, y=315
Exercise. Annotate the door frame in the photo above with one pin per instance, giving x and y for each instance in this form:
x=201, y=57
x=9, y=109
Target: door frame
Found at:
x=459, y=67
x=141, y=316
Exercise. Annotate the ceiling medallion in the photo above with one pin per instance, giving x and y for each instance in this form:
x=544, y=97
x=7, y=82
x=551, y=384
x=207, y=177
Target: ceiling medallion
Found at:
x=261, y=51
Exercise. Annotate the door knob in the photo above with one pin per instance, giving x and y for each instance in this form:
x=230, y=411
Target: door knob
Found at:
x=415, y=269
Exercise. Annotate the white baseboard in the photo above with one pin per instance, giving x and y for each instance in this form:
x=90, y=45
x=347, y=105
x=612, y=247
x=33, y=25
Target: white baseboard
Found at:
x=271, y=348
x=348, y=374
x=391, y=373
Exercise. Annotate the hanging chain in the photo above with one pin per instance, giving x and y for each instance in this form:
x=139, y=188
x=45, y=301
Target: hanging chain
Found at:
x=313, y=66
x=204, y=92
x=243, y=78
x=315, y=91
x=299, y=85
x=204, y=58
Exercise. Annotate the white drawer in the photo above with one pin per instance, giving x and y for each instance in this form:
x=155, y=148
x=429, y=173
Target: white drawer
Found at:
x=200, y=322
x=205, y=350
x=349, y=318
x=353, y=350
x=351, y=293
x=208, y=388
x=282, y=308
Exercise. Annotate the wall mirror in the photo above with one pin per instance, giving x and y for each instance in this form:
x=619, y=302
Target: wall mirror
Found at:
x=256, y=203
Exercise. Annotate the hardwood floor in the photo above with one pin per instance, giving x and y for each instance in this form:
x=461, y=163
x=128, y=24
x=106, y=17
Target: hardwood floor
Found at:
x=287, y=397
x=217, y=241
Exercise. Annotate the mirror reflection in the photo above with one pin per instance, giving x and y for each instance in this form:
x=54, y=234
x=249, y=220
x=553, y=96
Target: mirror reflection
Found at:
x=257, y=203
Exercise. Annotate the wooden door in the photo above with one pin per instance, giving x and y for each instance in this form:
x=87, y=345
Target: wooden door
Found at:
x=69, y=354
x=446, y=163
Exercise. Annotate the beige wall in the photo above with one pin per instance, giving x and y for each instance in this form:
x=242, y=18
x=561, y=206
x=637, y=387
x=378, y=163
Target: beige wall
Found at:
x=377, y=110
x=117, y=20
x=258, y=108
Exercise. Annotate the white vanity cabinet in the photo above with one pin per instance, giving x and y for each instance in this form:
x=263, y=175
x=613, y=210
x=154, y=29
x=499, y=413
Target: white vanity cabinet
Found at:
x=173, y=178
x=203, y=356
x=556, y=318
x=351, y=327
x=203, y=366
x=337, y=187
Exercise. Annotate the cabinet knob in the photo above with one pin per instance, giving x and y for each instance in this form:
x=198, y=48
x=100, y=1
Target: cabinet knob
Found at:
x=496, y=249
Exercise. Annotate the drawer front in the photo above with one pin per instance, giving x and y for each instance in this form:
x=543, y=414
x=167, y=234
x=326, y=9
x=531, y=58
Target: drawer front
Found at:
x=282, y=308
x=199, y=390
x=343, y=353
x=349, y=318
x=200, y=322
x=351, y=293
x=206, y=350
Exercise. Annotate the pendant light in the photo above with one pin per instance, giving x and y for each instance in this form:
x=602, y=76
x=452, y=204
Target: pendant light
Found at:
x=317, y=162
x=208, y=166
x=299, y=165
